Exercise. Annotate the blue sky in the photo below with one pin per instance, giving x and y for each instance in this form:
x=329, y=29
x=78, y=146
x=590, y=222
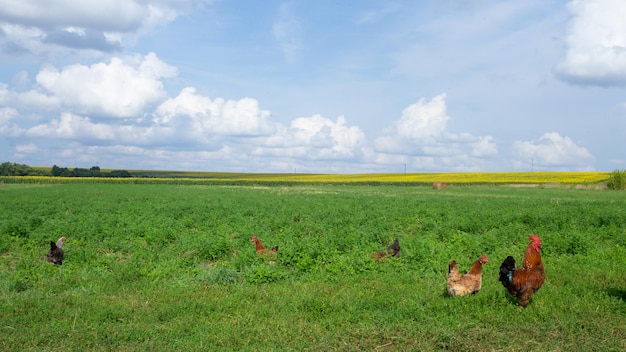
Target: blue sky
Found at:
x=314, y=86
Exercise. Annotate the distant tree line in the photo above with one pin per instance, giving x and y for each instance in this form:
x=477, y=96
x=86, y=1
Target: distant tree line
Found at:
x=13, y=169
x=94, y=171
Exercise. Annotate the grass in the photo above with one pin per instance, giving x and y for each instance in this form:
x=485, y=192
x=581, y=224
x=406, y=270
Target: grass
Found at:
x=171, y=267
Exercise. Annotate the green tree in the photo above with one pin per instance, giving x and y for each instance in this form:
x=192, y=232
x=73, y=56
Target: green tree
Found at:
x=95, y=171
x=15, y=169
x=79, y=172
x=56, y=171
x=120, y=173
x=5, y=169
x=617, y=180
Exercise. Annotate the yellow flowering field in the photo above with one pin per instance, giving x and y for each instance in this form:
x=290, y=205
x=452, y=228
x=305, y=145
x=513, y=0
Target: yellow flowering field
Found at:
x=472, y=177
x=181, y=177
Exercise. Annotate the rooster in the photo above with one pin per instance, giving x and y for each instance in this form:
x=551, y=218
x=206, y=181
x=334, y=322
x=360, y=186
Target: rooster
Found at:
x=55, y=254
x=523, y=282
x=261, y=250
x=392, y=250
x=460, y=285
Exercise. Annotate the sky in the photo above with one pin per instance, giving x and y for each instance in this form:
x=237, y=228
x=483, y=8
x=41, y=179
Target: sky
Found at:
x=324, y=86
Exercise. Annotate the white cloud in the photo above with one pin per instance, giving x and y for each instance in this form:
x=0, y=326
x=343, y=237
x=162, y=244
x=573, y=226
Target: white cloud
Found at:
x=484, y=147
x=205, y=116
x=7, y=114
x=119, y=15
x=118, y=89
x=18, y=38
x=420, y=125
x=596, y=43
x=423, y=129
x=37, y=100
x=89, y=133
x=6, y=96
x=8, y=126
x=26, y=148
x=314, y=138
x=551, y=151
x=43, y=27
x=75, y=127
x=423, y=121
x=421, y=139
x=189, y=121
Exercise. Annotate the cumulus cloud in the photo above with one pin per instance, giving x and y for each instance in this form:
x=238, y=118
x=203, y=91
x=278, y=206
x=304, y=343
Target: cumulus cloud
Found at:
x=551, y=151
x=7, y=114
x=119, y=89
x=419, y=126
x=484, y=146
x=5, y=94
x=421, y=137
x=423, y=121
x=595, y=44
x=74, y=127
x=8, y=126
x=188, y=121
x=208, y=116
x=84, y=130
x=39, y=27
x=314, y=138
x=116, y=15
x=26, y=148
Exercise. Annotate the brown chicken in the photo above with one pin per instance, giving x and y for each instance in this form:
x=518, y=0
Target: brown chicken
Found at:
x=55, y=254
x=461, y=285
x=392, y=250
x=523, y=282
x=261, y=250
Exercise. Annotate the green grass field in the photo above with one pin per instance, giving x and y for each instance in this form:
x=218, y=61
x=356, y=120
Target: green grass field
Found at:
x=160, y=267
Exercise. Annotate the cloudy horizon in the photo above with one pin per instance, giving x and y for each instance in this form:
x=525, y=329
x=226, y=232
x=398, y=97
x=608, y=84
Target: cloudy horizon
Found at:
x=324, y=87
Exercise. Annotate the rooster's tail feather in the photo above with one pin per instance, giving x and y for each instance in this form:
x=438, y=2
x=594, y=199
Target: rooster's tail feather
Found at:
x=506, y=271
